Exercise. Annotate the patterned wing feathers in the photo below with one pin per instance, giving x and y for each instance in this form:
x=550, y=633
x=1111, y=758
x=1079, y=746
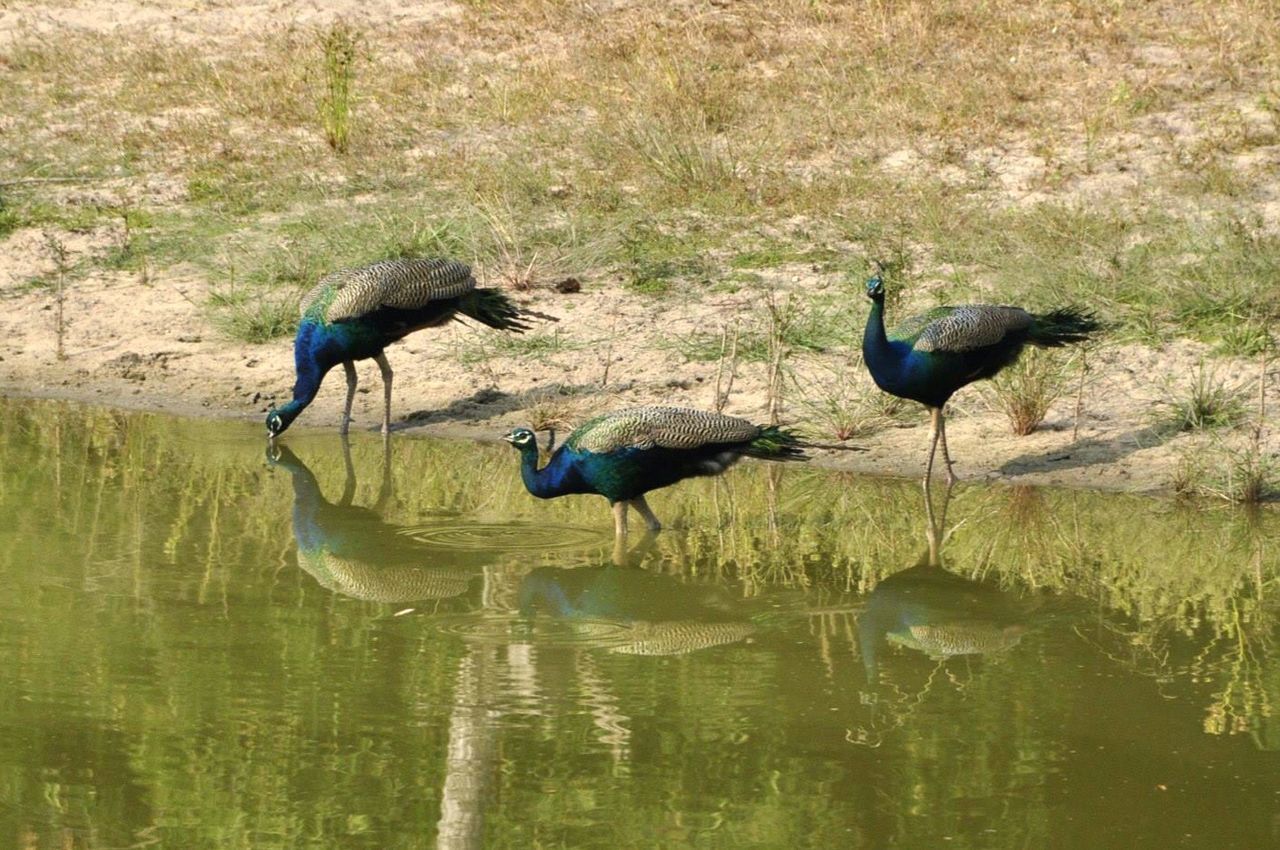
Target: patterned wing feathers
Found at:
x=405, y=284
x=663, y=427
x=971, y=326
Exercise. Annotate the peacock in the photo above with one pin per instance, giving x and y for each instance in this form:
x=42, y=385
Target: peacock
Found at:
x=930, y=356
x=351, y=550
x=624, y=454
x=353, y=314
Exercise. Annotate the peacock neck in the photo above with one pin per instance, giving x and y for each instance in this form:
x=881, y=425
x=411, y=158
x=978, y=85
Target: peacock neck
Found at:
x=311, y=361
x=549, y=481
x=873, y=337
x=882, y=357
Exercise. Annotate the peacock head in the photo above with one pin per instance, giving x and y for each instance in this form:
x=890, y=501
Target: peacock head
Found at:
x=279, y=419
x=521, y=438
x=875, y=288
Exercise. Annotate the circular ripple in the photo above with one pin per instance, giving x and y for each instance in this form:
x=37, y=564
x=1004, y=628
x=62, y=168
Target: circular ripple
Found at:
x=544, y=632
x=505, y=536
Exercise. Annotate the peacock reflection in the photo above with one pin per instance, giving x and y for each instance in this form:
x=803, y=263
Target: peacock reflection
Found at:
x=630, y=611
x=933, y=611
x=351, y=550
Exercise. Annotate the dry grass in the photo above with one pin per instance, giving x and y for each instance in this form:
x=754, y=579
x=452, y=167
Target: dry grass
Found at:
x=1025, y=391
x=541, y=137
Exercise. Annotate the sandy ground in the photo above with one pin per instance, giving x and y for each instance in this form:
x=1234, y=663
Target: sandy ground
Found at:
x=150, y=346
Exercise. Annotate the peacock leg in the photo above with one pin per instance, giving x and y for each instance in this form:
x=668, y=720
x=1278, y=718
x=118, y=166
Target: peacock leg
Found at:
x=642, y=508
x=619, y=520
x=946, y=456
x=381, y=360
x=935, y=416
x=350, y=369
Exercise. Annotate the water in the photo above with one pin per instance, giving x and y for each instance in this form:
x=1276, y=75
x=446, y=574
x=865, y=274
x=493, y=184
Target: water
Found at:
x=204, y=646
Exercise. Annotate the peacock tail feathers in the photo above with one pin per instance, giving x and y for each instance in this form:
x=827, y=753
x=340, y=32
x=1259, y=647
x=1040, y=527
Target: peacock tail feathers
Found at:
x=1064, y=326
x=404, y=284
x=909, y=329
x=971, y=326
x=680, y=637
x=360, y=580
x=663, y=427
x=776, y=443
x=492, y=308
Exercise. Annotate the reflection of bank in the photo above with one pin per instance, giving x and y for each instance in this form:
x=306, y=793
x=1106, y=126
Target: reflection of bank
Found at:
x=350, y=549
x=931, y=610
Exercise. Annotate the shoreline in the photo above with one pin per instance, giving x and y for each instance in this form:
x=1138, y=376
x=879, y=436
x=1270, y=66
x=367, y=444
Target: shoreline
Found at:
x=1048, y=457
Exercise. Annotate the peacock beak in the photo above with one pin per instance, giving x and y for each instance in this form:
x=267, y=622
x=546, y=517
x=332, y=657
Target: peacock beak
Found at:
x=510, y=437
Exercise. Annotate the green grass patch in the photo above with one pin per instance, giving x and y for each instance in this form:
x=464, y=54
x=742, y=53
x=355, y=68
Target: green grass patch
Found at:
x=540, y=347
x=655, y=261
x=250, y=314
x=1148, y=274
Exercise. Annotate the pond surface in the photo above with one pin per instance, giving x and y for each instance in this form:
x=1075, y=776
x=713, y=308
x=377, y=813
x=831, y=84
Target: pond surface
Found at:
x=204, y=646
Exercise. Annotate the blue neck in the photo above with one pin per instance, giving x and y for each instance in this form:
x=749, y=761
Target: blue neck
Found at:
x=883, y=358
x=312, y=360
x=557, y=478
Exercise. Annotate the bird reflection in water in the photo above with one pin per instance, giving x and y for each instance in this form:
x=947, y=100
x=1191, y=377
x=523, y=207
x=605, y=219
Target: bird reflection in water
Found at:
x=351, y=550
x=632, y=611
x=936, y=612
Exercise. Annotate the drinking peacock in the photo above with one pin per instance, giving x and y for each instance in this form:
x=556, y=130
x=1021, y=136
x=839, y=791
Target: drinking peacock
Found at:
x=353, y=314
x=930, y=356
x=624, y=454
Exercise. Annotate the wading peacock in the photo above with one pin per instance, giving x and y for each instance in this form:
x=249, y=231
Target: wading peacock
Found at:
x=354, y=314
x=624, y=454
x=930, y=356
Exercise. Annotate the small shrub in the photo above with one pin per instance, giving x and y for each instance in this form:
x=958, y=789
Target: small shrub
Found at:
x=1025, y=391
x=839, y=407
x=1243, y=475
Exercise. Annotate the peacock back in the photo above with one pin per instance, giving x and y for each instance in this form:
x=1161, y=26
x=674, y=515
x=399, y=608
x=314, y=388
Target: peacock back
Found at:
x=659, y=427
x=403, y=284
x=957, y=329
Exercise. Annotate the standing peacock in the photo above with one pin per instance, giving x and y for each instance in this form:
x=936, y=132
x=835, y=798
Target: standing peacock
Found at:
x=930, y=356
x=624, y=454
x=353, y=314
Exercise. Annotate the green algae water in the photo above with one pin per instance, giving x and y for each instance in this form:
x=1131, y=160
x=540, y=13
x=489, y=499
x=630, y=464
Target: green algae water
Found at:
x=204, y=644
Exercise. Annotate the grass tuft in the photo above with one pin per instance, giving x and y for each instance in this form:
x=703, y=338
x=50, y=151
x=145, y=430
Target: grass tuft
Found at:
x=253, y=315
x=1206, y=403
x=1025, y=391
x=340, y=44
